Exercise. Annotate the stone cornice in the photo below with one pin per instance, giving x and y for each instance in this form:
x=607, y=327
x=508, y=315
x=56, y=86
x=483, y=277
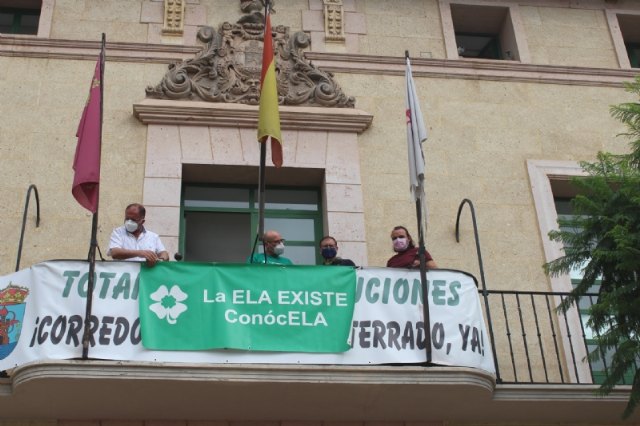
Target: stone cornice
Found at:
x=151, y=390
x=473, y=69
x=188, y=391
x=559, y=392
x=272, y=373
x=30, y=46
x=158, y=111
x=34, y=47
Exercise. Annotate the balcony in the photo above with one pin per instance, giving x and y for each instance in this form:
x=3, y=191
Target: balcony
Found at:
x=124, y=390
x=541, y=377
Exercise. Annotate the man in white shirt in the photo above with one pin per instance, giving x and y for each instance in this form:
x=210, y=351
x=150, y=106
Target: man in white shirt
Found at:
x=135, y=243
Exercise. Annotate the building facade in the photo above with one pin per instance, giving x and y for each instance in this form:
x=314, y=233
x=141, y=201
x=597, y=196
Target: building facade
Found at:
x=514, y=94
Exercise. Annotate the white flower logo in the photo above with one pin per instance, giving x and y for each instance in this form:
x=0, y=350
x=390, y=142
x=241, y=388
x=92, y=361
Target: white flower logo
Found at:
x=168, y=303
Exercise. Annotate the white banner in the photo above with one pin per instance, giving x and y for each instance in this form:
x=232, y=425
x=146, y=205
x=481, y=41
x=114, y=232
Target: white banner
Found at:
x=42, y=312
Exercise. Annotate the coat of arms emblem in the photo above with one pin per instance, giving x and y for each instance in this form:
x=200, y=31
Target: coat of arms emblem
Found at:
x=12, y=307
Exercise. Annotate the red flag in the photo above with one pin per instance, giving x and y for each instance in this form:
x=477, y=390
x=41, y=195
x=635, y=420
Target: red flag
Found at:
x=86, y=164
x=269, y=116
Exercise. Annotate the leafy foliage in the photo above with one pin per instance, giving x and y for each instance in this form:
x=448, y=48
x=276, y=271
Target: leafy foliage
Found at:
x=603, y=238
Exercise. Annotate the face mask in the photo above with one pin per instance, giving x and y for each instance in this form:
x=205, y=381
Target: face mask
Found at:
x=400, y=244
x=329, y=252
x=279, y=249
x=130, y=225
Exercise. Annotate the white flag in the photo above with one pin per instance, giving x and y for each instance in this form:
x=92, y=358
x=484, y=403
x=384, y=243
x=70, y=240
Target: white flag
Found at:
x=416, y=134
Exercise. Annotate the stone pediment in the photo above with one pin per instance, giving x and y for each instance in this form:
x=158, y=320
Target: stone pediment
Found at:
x=228, y=69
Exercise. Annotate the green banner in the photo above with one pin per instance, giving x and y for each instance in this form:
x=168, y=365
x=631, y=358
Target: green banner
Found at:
x=199, y=306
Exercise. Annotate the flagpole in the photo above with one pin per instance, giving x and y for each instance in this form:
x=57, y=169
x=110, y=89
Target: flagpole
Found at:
x=423, y=281
x=421, y=243
x=263, y=142
x=261, y=197
x=86, y=337
x=263, y=160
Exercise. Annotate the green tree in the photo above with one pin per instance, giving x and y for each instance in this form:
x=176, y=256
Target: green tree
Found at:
x=603, y=239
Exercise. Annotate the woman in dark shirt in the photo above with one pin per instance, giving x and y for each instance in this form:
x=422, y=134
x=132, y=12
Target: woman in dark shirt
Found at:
x=406, y=251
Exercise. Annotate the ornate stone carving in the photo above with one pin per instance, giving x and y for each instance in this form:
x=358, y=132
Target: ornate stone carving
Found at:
x=173, y=17
x=333, y=20
x=253, y=10
x=228, y=69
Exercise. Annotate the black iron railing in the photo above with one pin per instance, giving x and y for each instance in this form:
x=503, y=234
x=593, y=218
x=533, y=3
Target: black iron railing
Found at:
x=535, y=342
x=532, y=341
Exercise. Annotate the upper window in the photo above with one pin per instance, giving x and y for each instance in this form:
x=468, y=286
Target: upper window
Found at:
x=484, y=32
x=19, y=17
x=630, y=29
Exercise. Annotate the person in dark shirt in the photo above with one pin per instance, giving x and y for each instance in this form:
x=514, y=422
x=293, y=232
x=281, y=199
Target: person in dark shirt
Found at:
x=406, y=251
x=329, y=251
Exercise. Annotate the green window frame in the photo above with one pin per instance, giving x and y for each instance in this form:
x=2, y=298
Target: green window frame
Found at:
x=13, y=20
x=243, y=200
x=598, y=368
x=633, y=51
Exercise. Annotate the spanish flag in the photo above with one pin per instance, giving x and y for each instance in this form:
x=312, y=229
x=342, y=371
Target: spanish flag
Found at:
x=269, y=116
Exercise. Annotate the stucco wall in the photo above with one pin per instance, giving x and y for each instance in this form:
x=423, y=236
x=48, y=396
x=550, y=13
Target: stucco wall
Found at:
x=564, y=36
x=39, y=115
x=86, y=20
x=555, y=34
x=387, y=24
x=482, y=128
x=482, y=132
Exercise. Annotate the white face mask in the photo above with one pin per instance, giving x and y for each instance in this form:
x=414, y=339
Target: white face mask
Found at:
x=279, y=249
x=400, y=244
x=131, y=225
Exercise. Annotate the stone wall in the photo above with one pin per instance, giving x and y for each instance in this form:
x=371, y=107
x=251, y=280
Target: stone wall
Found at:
x=574, y=37
x=482, y=131
x=39, y=115
x=481, y=134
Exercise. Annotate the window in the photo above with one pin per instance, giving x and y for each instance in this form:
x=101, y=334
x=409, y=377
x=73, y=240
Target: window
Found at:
x=19, y=17
x=219, y=223
x=485, y=32
x=633, y=50
x=550, y=180
x=630, y=29
x=624, y=27
x=599, y=367
x=478, y=46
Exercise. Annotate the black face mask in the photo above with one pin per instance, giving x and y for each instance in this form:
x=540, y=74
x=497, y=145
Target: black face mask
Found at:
x=329, y=252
